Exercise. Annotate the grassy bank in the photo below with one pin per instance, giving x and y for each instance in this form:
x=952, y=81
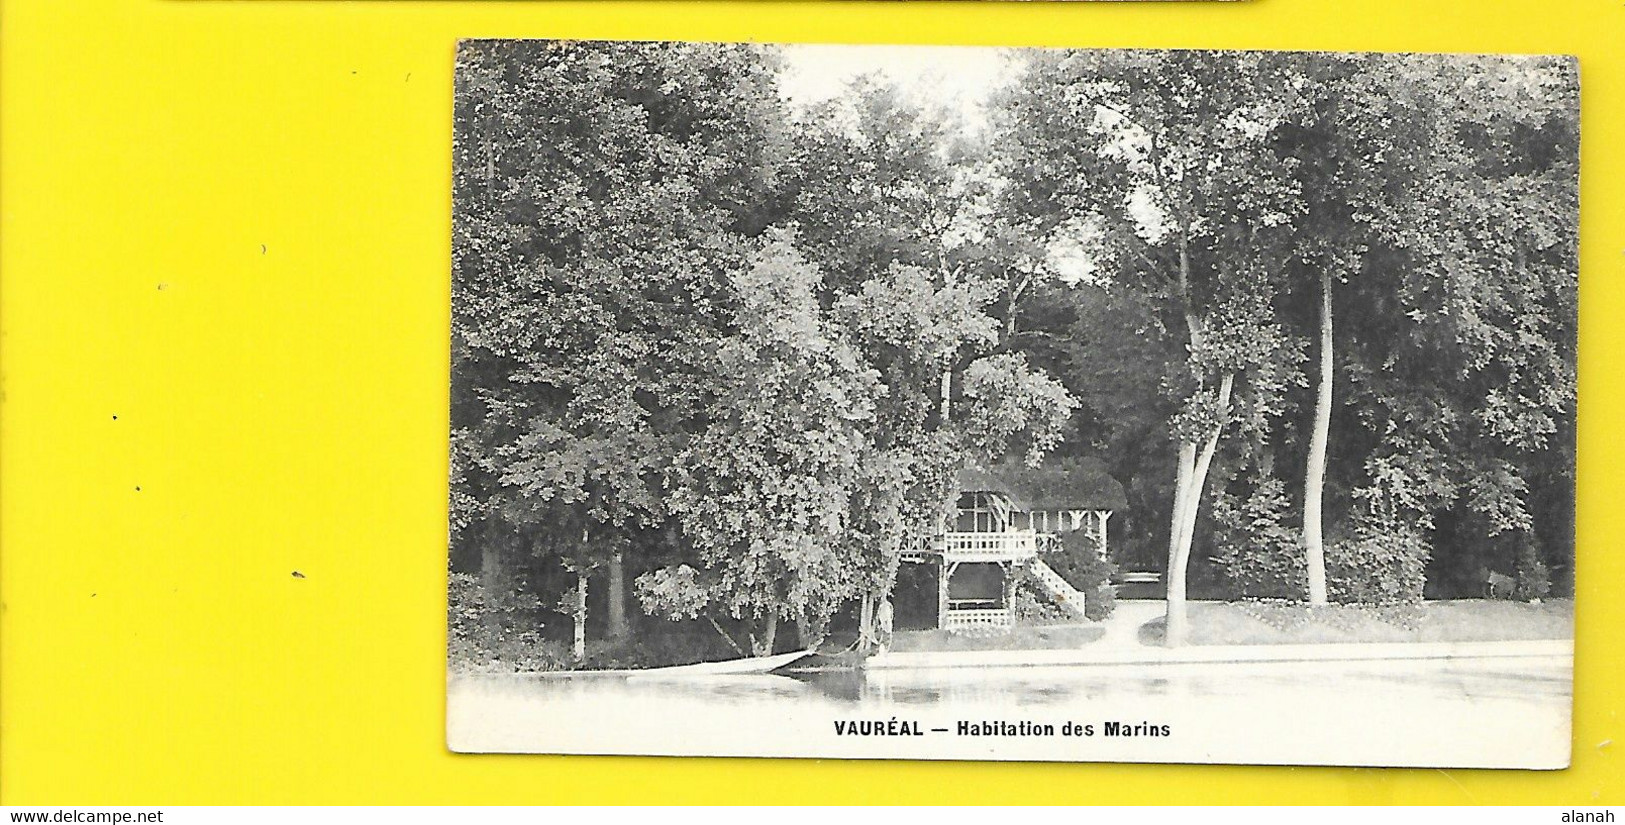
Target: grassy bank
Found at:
x=1467, y=620
x=1034, y=637
x=1212, y=623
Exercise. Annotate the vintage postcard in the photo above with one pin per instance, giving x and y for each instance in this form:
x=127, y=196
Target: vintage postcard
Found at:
x=964, y=403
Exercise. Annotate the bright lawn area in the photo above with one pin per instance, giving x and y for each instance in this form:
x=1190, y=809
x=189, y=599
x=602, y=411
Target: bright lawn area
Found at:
x=1467, y=620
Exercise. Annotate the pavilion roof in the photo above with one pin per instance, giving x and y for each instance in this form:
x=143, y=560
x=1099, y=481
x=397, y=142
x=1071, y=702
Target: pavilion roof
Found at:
x=1058, y=484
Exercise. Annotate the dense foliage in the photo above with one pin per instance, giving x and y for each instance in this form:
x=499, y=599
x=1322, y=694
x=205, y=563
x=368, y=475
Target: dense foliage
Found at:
x=718, y=356
x=1379, y=567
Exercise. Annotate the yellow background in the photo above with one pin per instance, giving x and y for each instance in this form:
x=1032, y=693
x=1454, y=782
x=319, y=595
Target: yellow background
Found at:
x=226, y=225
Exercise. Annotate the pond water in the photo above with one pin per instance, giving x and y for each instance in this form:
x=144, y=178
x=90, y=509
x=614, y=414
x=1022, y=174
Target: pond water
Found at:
x=1505, y=712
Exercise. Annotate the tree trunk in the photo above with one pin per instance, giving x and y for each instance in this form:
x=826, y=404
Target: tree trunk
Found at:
x=496, y=584
x=724, y=634
x=1193, y=469
x=866, y=624
x=1016, y=289
x=617, y=595
x=948, y=369
x=581, y=615
x=1314, y=477
x=812, y=630
x=770, y=632
x=1176, y=623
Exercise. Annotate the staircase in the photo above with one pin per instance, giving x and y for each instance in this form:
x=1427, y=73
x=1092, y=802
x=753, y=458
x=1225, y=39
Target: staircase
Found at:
x=1058, y=588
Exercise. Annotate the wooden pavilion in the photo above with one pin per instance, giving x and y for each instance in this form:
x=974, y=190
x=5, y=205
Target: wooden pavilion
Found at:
x=1008, y=517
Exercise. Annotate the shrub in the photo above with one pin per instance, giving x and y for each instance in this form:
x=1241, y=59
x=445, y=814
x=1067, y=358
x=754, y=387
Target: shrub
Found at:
x=1078, y=561
x=486, y=637
x=659, y=644
x=1033, y=606
x=1533, y=580
x=1377, y=567
x=1261, y=558
x=1101, y=601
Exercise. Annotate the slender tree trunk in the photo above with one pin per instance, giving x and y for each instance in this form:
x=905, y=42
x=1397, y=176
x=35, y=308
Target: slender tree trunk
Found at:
x=866, y=622
x=1176, y=624
x=1314, y=477
x=1194, y=465
x=490, y=168
x=496, y=585
x=808, y=635
x=724, y=634
x=1016, y=290
x=948, y=369
x=617, y=595
x=581, y=615
x=581, y=597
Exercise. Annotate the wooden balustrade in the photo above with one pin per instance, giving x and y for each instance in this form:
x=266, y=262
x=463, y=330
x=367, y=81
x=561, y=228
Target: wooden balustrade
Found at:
x=1012, y=545
x=967, y=619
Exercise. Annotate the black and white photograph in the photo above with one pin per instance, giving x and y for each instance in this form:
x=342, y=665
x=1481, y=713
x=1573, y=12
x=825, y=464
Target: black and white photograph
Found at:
x=915, y=402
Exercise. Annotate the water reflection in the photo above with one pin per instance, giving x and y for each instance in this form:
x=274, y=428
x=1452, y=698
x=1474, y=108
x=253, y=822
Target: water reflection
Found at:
x=1488, y=712
x=1514, y=679
x=1040, y=687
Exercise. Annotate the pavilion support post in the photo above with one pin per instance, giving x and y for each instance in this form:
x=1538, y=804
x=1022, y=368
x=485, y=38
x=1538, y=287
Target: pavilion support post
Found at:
x=1010, y=573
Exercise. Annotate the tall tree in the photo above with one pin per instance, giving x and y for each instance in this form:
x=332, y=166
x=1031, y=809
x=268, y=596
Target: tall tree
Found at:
x=890, y=200
x=1157, y=162
x=1464, y=377
x=1344, y=143
x=604, y=192
x=764, y=490
x=1410, y=188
